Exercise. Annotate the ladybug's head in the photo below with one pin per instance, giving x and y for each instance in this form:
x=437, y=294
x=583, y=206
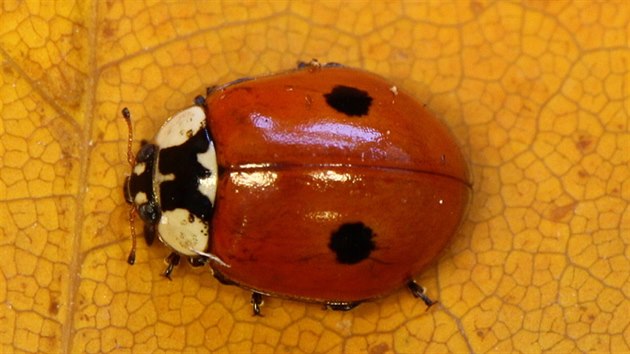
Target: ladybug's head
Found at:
x=139, y=192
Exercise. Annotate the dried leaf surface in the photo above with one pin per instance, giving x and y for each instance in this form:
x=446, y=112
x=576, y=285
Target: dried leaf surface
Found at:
x=537, y=93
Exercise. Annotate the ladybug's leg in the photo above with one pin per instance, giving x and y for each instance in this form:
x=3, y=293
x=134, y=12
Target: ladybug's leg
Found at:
x=420, y=292
x=149, y=233
x=257, y=301
x=197, y=261
x=172, y=260
x=342, y=306
x=314, y=63
x=332, y=64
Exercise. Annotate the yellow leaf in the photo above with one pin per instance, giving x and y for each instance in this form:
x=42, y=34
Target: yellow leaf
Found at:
x=536, y=93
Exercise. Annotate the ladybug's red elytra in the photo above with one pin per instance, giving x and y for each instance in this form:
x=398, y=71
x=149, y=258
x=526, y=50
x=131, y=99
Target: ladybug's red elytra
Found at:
x=325, y=184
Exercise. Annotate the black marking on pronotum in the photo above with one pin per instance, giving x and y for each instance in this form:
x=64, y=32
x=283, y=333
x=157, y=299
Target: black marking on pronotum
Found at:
x=349, y=100
x=352, y=242
x=183, y=191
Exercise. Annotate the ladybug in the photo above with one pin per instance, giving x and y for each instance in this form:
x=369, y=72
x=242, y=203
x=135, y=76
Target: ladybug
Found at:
x=324, y=184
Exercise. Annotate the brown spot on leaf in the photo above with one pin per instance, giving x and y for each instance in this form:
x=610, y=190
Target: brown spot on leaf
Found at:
x=108, y=30
x=379, y=348
x=559, y=212
x=53, y=307
x=584, y=142
x=476, y=7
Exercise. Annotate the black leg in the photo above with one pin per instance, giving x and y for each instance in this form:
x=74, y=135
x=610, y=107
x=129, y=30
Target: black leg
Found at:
x=314, y=63
x=257, y=301
x=342, y=306
x=420, y=292
x=149, y=233
x=172, y=260
x=332, y=64
x=197, y=261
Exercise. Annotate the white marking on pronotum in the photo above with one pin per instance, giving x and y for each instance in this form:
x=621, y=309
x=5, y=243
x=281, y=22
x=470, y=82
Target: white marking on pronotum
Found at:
x=180, y=127
x=208, y=185
x=183, y=232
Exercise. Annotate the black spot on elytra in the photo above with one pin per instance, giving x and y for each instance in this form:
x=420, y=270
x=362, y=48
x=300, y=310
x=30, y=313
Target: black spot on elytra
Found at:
x=352, y=242
x=349, y=100
x=183, y=191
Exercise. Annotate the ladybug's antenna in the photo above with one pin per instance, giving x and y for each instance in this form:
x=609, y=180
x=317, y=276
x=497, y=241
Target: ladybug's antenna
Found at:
x=131, y=259
x=130, y=157
x=132, y=162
